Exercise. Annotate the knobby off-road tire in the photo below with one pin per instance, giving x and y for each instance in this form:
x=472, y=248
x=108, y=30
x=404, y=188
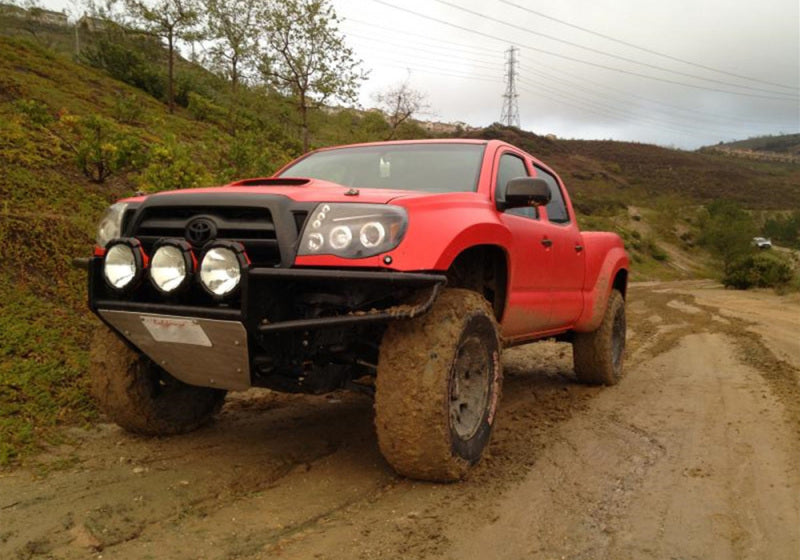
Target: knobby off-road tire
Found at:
x=598, y=355
x=438, y=385
x=140, y=396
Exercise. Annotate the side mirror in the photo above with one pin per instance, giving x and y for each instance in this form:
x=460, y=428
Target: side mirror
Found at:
x=523, y=191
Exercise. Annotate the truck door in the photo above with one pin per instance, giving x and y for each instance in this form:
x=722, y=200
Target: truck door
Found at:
x=531, y=259
x=569, y=261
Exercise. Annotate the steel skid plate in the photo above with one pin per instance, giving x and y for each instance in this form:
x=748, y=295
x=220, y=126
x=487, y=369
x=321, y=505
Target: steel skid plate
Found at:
x=203, y=352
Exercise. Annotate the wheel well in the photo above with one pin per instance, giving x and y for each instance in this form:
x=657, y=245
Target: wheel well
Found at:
x=621, y=282
x=482, y=269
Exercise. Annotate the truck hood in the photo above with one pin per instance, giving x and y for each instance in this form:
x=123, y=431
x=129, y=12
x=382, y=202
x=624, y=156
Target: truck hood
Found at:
x=298, y=189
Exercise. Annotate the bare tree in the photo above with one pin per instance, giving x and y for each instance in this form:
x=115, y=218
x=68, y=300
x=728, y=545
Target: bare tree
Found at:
x=305, y=56
x=399, y=103
x=233, y=27
x=170, y=20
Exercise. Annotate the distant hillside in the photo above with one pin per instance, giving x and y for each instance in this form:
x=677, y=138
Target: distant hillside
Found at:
x=784, y=148
x=783, y=144
x=632, y=173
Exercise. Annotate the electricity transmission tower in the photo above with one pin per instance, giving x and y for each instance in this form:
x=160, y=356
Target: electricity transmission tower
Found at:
x=510, y=114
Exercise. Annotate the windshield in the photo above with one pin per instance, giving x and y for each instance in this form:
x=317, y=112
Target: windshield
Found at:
x=446, y=167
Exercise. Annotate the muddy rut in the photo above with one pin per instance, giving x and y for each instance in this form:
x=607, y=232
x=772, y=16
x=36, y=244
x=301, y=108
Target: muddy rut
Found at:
x=695, y=454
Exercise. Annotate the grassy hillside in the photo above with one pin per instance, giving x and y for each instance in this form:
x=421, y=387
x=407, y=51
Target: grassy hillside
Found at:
x=781, y=144
x=638, y=173
x=64, y=124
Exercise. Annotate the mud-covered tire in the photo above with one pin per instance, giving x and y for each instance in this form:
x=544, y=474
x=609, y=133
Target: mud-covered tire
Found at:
x=140, y=396
x=438, y=385
x=599, y=355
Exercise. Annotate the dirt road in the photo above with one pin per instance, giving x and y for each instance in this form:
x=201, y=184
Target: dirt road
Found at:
x=696, y=454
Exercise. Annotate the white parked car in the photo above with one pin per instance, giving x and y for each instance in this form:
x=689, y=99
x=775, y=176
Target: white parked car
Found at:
x=762, y=243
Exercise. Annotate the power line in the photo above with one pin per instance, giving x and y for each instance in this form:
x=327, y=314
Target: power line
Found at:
x=448, y=55
x=573, y=59
x=645, y=49
x=439, y=71
x=404, y=33
x=582, y=80
x=580, y=88
x=598, y=51
x=619, y=112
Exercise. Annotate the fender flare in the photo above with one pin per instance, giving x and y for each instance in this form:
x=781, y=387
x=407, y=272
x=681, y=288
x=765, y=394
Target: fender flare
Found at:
x=613, y=273
x=473, y=236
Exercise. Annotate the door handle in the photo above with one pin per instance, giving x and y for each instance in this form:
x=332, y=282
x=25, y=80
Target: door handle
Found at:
x=547, y=242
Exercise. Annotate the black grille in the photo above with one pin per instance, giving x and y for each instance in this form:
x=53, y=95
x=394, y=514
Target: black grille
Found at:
x=252, y=227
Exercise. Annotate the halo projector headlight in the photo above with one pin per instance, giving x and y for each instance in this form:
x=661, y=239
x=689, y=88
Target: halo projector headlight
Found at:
x=372, y=234
x=171, y=266
x=123, y=263
x=221, y=269
x=340, y=237
x=353, y=230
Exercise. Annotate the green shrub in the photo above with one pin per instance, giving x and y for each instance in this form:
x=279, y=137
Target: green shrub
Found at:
x=127, y=109
x=132, y=59
x=784, y=229
x=759, y=270
x=656, y=251
x=171, y=166
x=37, y=112
x=726, y=231
x=100, y=147
x=203, y=109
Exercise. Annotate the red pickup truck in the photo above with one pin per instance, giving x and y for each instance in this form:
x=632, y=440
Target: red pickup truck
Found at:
x=400, y=269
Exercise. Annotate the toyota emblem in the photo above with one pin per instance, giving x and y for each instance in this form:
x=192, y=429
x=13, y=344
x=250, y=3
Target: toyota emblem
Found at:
x=200, y=231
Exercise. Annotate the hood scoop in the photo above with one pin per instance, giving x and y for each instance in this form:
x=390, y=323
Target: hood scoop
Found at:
x=272, y=182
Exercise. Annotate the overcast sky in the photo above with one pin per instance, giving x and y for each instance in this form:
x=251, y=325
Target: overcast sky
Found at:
x=684, y=73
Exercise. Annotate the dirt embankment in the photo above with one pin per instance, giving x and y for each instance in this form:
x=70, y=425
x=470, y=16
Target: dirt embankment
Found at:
x=694, y=455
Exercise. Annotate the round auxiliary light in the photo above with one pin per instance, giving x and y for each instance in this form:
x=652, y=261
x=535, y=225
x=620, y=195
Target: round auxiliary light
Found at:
x=123, y=263
x=221, y=268
x=171, y=266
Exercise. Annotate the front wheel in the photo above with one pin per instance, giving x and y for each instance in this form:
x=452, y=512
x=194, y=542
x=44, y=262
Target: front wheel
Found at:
x=598, y=355
x=438, y=385
x=140, y=396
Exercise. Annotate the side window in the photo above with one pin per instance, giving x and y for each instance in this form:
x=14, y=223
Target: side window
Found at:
x=556, y=208
x=510, y=167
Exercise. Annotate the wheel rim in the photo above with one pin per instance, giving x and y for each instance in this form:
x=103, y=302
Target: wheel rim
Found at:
x=618, y=340
x=469, y=387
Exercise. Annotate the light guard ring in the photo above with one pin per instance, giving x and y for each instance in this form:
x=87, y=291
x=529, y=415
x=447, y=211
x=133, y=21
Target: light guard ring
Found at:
x=232, y=252
x=188, y=260
x=138, y=263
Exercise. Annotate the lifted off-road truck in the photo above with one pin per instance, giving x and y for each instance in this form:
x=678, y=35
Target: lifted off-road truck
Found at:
x=401, y=268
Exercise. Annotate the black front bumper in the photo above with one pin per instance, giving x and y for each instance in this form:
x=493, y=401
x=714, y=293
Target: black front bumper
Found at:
x=288, y=325
x=262, y=288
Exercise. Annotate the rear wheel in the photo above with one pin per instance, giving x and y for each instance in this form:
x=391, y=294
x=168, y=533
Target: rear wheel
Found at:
x=438, y=384
x=140, y=396
x=598, y=355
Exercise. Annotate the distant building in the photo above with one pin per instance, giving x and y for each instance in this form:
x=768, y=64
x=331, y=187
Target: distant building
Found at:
x=435, y=127
x=51, y=17
x=92, y=23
